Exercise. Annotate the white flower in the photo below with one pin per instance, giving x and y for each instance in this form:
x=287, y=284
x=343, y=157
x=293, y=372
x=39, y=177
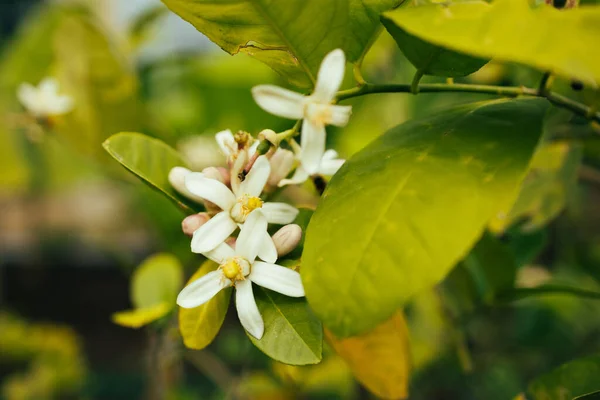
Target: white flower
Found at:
x=316, y=110
x=44, y=101
x=239, y=268
x=232, y=145
x=237, y=204
x=328, y=166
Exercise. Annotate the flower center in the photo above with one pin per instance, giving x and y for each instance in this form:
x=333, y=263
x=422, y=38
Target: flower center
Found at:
x=319, y=114
x=244, y=206
x=235, y=269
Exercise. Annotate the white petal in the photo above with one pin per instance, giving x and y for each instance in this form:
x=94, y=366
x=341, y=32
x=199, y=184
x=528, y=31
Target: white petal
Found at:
x=226, y=142
x=49, y=87
x=220, y=253
x=267, y=251
x=210, y=189
x=339, y=115
x=299, y=176
x=256, y=179
x=330, y=155
x=331, y=74
x=279, y=213
x=251, y=235
x=275, y=277
x=236, y=169
x=62, y=105
x=213, y=233
x=202, y=289
x=313, y=146
x=247, y=310
x=177, y=180
x=279, y=101
x=27, y=95
x=330, y=167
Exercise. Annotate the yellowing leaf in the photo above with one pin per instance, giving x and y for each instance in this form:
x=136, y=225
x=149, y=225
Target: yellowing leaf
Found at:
x=141, y=316
x=157, y=280
x=200, y=325
x=379, y=359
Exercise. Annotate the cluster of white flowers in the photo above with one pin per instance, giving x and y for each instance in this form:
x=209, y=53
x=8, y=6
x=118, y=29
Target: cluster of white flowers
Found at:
x=234, y=197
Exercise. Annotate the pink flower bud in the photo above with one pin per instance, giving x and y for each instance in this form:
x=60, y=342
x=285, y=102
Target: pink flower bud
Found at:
x=218, y=173
x=287, y=238
x=191, y=223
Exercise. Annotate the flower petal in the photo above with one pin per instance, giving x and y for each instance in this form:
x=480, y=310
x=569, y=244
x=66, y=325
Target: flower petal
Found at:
x=220, y=253
x=279, y=101
x=177, y=180
x=331, y=74
x=27, y=95
x=213, y=233
x=300, y=175
x=247, y=310
x=251, y=235
x=330, y=167
x=330, y=155
x=313, y=146
x=339, y=115
x=256, y=179
x=202, y=289
x=62, y=105
x=210, y=189
x=226, y=142
x=279, y=213
x=48, y=87
x=267, y=251
x=275, y=277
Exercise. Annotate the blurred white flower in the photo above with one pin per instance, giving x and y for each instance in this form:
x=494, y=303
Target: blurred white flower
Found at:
x=329, y=165
x=240, y=268
x=237, y=204
x=316, y=110
x=44, y=100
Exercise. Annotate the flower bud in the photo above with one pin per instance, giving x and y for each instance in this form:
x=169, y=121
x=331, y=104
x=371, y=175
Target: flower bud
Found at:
x=218, y=173
x=177, y=180
x=270, y=135
x=191, y=223
x=287, y=239
x=282, y=163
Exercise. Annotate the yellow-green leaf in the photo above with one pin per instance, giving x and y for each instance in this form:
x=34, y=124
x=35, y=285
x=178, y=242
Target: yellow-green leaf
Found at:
x=157, y=280
x=556, y=40
x=379, y=359
x=200, y=325
x=141, y=316
x=291, y=36
x=575, y=378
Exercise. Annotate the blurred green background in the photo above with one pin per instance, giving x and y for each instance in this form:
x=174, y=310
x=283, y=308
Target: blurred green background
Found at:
x=73, y=225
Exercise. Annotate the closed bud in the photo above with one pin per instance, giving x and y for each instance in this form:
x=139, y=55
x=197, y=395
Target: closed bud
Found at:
x=287, y=239
x=282, y=163
x=218, y=173
x=270, y=135
x=191, y=223
x=177, y=180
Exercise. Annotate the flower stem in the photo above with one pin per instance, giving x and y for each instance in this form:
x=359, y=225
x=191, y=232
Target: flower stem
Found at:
x=507, y=91
x=522, y=293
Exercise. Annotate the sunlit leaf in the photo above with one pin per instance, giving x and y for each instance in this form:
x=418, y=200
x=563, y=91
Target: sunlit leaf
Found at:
x=158, y=279
x=496, y=31
x=379, y=359
x=292, y=36
x=432, y=59
x=400, y=213
x=151, y=160
x=141, y=316
x=293, y=335
x=544, y=192
x=200, y=325
x=575, y=378
x=590, y=396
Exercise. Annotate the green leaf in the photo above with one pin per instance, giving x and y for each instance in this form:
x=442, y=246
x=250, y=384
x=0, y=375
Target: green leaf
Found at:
x=141, y=316
x=157, y=280
x=590, y=396
x=403, y=211
x=292, y=36
x=575, y=378
x=200, y=325
x=556, y=40
x=293, y=335
x=544, y=194
x=150, y=160
x=431, y=59
x=380, y=358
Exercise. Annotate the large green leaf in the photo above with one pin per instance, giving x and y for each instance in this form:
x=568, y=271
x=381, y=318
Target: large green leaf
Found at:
x=200, y=325
x=151, y=160
x=431, y=59
x=556, y=40
x=291, y=36
x=401, y=212
x=293, y=335
x=575, y=378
